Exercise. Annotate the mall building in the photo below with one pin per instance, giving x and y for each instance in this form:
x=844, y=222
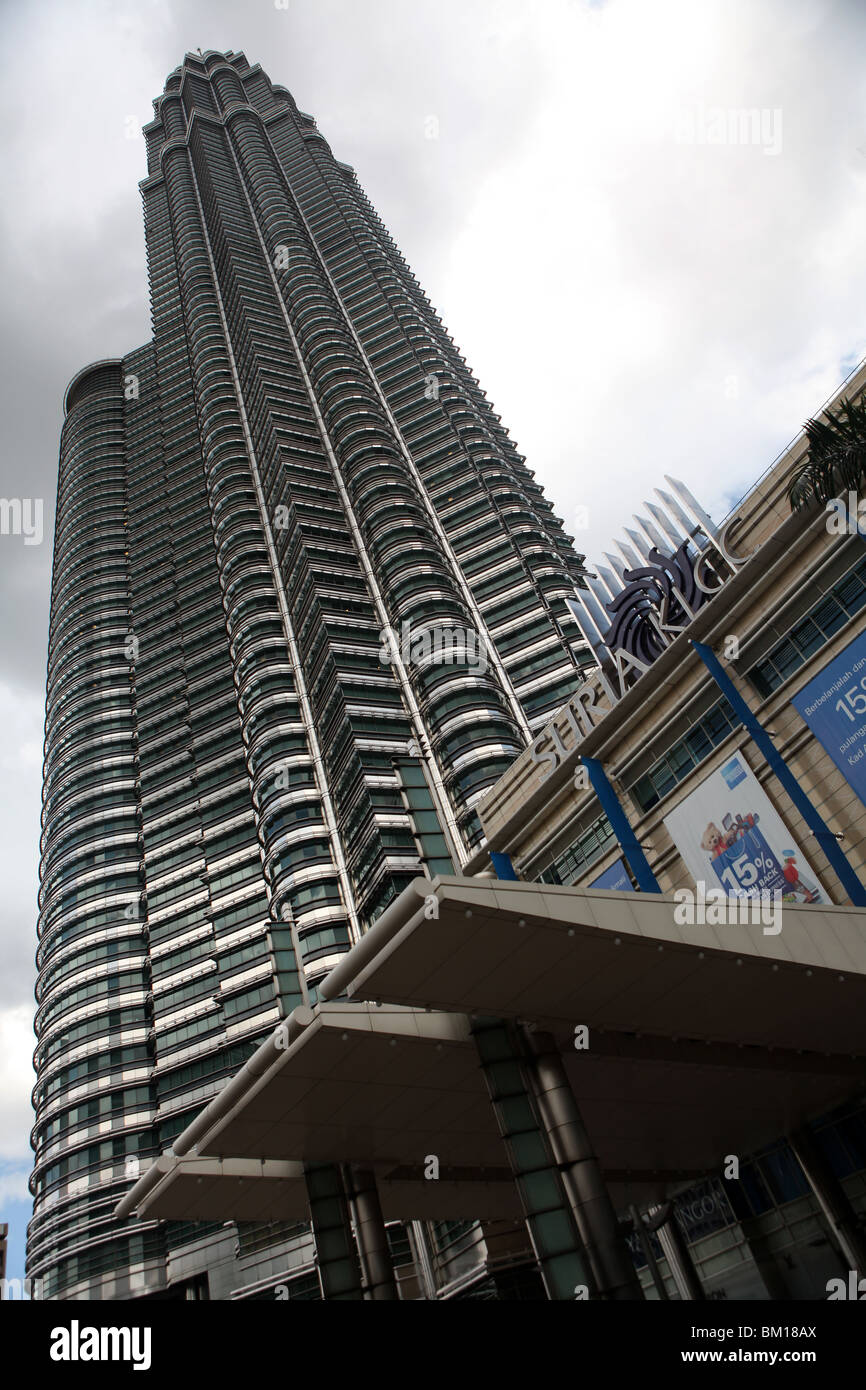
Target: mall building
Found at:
x=620, y=1053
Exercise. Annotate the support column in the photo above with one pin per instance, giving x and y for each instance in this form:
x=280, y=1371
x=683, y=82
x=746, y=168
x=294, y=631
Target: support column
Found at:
x=372, y=1237
x=549, y=1220
x=420, y=1247
x=335, y=1249
x=663, y=1221
x=845, y=1225
x=612, y=1266
x=646, y=1246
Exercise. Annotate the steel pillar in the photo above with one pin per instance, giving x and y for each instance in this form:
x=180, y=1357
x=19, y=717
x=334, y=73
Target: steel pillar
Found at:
x=611, y=1263
x=845, y=1225
x=420, y=1247
x=336, y=1256
x=371, y=1235
x=663, y=1220
x=646, y=1246
x=549, y=1219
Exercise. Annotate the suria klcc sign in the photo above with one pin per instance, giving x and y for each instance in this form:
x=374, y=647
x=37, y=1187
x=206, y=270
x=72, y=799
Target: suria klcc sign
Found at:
x=639, y=603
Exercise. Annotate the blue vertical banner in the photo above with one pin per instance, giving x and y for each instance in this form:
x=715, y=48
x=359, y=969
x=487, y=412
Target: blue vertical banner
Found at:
x=502, y=865
x=616, y=878
x=833, y=705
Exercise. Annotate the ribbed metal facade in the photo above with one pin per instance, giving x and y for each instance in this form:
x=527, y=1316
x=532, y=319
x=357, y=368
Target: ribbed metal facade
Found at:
x=241, y=768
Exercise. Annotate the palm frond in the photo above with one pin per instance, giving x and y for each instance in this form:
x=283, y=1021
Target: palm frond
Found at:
x=835, y=458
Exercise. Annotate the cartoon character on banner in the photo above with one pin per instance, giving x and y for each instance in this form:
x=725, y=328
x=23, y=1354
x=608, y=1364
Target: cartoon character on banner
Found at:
x=797, y=884
x=745, y=864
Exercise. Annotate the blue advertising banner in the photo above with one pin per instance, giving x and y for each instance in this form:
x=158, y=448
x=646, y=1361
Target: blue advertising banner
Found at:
x=833, y=705
x=749, y=866
x=615, y=877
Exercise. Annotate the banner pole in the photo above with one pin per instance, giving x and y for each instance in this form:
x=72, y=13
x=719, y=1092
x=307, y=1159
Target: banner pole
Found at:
x=610, y=804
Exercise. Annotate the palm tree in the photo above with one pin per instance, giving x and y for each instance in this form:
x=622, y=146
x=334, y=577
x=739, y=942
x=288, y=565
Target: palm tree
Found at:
x=835, y=460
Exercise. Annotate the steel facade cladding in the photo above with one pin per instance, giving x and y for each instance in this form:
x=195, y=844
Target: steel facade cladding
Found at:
x=298, y=461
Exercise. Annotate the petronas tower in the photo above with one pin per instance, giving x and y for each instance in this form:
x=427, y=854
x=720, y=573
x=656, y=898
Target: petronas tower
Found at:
x=308, y=604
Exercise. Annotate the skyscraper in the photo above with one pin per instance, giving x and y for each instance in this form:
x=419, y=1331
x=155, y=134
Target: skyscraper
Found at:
x=308, y=604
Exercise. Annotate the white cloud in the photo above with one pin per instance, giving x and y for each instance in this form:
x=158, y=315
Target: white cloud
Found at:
x=13, y=1187
x=21, y=722
x=606, y=281
x=636, y=305
x=16, y=1081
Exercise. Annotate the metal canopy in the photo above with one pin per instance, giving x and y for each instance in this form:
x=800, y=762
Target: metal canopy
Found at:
x=564, y=957
x=703, y=1041
x=244, y=1189
x=385, y=1086
x=206, y=1189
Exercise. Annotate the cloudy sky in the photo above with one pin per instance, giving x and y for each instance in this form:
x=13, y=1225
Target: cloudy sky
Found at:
x=638, y=293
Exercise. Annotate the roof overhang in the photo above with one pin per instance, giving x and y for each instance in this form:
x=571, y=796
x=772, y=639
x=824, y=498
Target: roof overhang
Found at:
x=702, y=1041
x=615, y=961
x=247, y=1189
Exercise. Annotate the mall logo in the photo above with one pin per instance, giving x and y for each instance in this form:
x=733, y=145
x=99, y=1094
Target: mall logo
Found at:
x=441, y=645
x=636, y=605
x=713, y=907
x=77, y=1343
x=855, y=1288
